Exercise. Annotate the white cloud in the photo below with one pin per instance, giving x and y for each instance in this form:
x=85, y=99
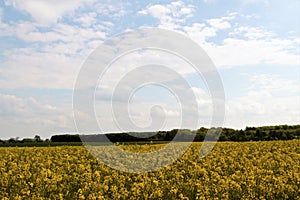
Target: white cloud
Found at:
x=12, y=105
x=272, y=83
x=43, y=11
x=26, y=116
x=209, y=1
x=219, y=23
x=255, y=1
x=1, y=14
x=180, y=9
x=270, y=100
x=28, y=68
x=259, y=108
x=243, y=1
x=170, y=15
x=112, y=10
x=5, y=29
x=251, y=32
x=238, y=52
x=29, y=33
x=54, y=55
x=53, y=59
x=143, y=112
x=259, y=46
x=61, y=32
x=157, y=11
x=200, y=32
x=141, y=105
x=58, y=64
x=87, y=19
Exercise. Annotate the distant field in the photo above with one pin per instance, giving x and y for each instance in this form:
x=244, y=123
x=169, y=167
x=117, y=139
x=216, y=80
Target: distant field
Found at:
x=54, y=144
x=40, y=144
x=233, y=170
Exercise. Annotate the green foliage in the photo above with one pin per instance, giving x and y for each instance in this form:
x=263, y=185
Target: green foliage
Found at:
x=264, y=133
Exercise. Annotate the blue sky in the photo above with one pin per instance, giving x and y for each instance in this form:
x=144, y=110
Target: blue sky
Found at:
x=43, y=44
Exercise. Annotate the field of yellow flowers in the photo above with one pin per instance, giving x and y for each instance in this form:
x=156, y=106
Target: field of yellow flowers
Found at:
x=250, y=170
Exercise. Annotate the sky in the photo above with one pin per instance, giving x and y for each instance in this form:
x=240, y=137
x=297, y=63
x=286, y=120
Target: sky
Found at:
x=44, y=43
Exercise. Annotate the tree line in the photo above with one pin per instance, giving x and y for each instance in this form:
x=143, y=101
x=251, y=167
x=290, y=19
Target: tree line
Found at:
x=264, y=133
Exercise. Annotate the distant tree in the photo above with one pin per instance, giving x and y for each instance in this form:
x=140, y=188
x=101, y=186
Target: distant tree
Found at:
x=171, y=134
x=12, y=140
x=265, y=133
x=272, y=135
x=27, y=140
x=200, y=134
x=241, y=135
x=65, y=138
x=250, y=128
x=284, y=136
x=257, y=135
x=223, y=137
x=37, y=138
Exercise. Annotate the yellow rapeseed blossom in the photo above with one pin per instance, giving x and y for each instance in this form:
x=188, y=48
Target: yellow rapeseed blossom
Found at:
x=249, y=170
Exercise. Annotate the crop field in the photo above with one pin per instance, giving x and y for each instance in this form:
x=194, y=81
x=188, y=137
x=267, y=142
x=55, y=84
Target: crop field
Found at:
x=233, y=170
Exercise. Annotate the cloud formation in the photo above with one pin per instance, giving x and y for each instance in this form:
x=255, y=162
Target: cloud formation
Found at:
x=43, y=11
x=44, y=44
